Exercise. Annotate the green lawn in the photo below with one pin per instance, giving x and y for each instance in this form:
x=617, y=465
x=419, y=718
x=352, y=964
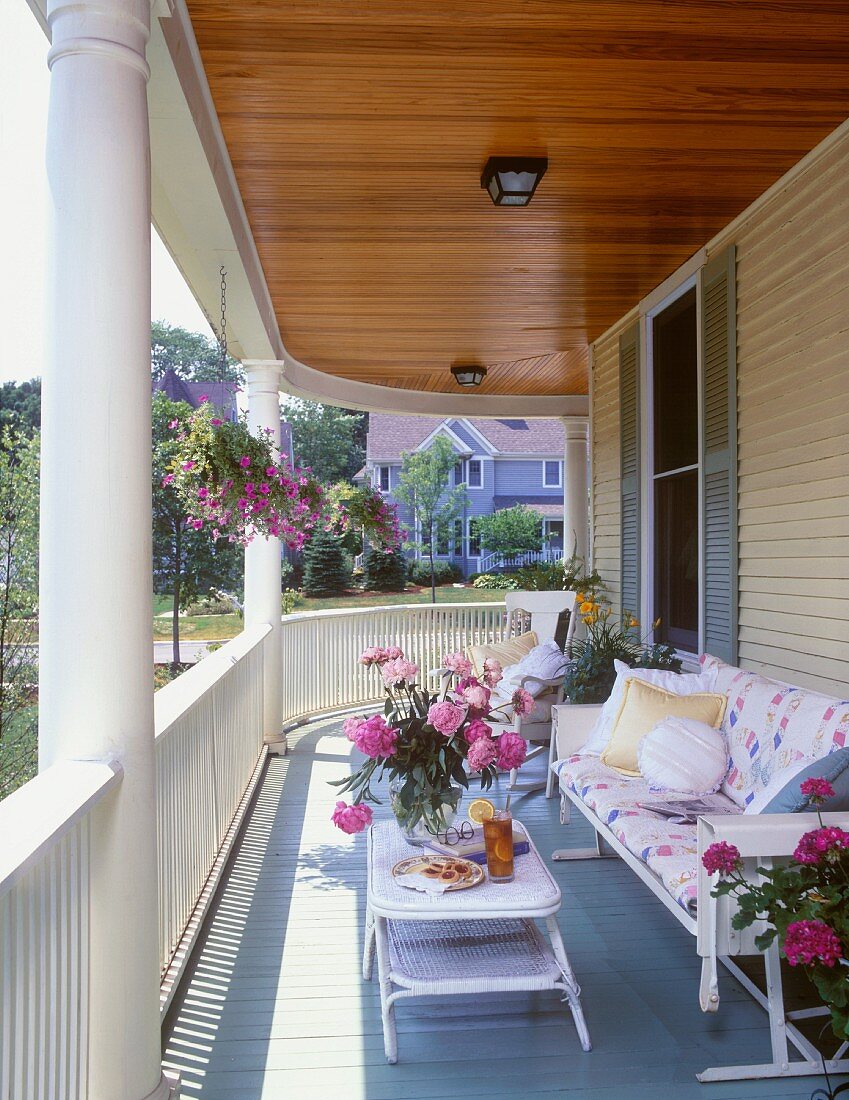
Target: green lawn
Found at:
x=209, y=627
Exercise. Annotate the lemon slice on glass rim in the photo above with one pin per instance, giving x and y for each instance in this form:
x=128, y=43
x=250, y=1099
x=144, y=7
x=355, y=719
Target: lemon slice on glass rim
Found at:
x=480, y=810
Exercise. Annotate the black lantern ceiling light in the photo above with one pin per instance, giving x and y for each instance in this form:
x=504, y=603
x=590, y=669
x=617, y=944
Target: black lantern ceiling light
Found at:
x=511, y=181
x=469, y=375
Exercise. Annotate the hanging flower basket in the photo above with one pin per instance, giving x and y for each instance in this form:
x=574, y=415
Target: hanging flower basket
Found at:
x=232, y=484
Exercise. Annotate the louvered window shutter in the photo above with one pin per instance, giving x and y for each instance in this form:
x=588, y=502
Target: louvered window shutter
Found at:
x=719, y=457
x=629, y=420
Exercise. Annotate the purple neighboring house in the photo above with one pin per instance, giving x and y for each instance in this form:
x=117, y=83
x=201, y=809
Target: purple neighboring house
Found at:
x=501, y=462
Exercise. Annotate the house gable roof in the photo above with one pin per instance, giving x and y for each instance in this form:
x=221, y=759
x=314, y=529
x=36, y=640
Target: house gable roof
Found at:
x=389, y=435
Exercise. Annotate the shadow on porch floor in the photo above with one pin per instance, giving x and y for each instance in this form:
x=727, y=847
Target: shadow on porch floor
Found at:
x=274, y=1005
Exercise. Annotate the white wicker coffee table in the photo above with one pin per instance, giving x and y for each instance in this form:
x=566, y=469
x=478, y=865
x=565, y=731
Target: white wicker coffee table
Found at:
x=481, y=940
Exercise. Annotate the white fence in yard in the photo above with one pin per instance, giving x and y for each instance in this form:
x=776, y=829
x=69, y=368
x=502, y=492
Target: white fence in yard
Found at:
x=321, y=649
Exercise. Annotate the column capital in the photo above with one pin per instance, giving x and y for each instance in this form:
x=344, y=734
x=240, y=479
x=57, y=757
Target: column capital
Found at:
x=575, y=427
x=116, y=30
x=263, y=375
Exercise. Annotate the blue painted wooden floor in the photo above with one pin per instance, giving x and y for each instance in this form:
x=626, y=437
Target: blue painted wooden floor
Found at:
x=275, y=1007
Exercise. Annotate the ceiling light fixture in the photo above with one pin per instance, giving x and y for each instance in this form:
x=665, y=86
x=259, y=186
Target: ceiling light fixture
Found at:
x=469, y=375
x=511, y=181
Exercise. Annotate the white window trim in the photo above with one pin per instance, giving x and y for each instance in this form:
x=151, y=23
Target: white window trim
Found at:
x=555, y=484
x=379, y=479
x=648, y=475
x=469, y=486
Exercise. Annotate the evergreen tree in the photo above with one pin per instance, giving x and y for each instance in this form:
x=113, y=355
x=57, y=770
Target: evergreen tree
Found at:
x=385, y=572
x=326, y=568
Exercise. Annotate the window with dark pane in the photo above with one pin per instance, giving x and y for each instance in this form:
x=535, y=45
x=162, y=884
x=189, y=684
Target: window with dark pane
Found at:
x=676, y=473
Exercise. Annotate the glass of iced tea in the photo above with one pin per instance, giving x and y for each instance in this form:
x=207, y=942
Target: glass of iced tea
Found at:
x=498, y=839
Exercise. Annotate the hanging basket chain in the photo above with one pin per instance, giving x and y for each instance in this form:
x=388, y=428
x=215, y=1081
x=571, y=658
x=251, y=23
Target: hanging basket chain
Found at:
x=222, y=333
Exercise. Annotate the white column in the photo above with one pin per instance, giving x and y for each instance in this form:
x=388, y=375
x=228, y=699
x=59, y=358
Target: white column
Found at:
x=262, y=559
x=96, y=690
x=576, y=486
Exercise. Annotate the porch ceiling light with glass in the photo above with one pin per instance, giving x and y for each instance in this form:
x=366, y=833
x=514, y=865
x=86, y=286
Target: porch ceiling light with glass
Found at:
x=329, y=156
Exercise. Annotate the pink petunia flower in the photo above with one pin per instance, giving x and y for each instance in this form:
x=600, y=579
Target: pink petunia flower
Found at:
x=203, y=397
x=352, y=819
x=811, y=941
x=244, y=462
x=446, y=717
x=477, y=729
x=459, y=664
x=216, y=422
x=721, y=858
x=375, y=738
x=512, y=750
x=173, y=424
x=167, y=479
x=482, y=753
x=190, y=465
x=817, y=790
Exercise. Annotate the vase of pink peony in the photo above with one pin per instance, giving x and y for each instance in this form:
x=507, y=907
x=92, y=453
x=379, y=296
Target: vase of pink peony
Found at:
x=428, y=745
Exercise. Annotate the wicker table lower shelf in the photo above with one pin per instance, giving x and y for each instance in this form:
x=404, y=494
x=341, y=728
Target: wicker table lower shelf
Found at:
x=429, y=957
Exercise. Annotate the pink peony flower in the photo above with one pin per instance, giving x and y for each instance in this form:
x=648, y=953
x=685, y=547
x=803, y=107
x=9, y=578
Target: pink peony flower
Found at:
x=351, y=725
x=721, y=858
x=492, y=672
x=476, y=697
x=817, y=790
x=375, y=738
x=459, y=664
x=811, y=941
x=374, y=655
x=446, y=717
x=351, y=819
x=819, y=843
x=482, y=753
x=398, y=671
x=244, y=462
x=393, y=653
x=523, y=702
x=511, y=751
x=477, y=729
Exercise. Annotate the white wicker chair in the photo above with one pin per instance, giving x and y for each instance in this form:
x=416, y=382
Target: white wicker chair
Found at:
x=541, y=612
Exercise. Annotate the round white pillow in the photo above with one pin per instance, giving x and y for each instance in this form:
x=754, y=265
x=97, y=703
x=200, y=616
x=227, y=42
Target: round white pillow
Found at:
x=682, y=754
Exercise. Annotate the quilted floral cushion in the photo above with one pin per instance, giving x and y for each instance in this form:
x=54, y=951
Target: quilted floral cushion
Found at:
x=670, y=850
x=770, y=726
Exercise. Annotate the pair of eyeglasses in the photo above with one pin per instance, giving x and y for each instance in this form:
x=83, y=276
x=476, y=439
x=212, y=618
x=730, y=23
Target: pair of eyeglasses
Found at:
x=455, y=833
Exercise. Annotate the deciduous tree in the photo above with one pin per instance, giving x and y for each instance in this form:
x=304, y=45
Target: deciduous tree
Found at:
x=330, y=441
x=424, y=486
x=511, y=530
x=193, y=356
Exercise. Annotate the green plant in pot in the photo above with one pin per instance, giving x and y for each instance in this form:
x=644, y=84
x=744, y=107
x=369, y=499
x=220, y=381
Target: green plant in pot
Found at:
x=591, y=675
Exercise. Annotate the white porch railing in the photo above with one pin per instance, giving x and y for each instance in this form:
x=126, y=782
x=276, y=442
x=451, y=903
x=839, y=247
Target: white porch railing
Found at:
x=321, y=649
x=497, y=560
x=44, y=931
x=208, y=742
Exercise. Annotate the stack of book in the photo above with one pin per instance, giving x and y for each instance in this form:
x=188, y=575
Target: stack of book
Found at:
x=474, y=848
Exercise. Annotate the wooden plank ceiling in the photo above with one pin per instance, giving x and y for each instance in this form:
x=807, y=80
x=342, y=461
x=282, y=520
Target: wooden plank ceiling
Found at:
x=358, y=132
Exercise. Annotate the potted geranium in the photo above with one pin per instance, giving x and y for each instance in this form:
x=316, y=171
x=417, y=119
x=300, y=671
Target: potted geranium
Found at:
x=427, y=744
x=805, y=904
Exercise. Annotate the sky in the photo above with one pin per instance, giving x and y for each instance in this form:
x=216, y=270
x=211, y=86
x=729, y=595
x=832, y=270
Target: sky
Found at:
x=24, y=87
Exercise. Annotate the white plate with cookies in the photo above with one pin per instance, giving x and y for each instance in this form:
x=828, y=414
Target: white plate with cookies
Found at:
x=438, y=874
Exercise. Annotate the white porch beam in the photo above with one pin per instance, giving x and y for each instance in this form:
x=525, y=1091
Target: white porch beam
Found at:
x=262, y=560
x=299, y=380
x=576, y=485
x=96, y=692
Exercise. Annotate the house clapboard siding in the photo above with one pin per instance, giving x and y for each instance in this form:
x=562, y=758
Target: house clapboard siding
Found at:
x=793, y=429
x=606, y=488
x=792, y=310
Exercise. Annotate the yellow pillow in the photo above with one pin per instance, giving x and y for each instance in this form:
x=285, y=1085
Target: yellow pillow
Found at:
x=508, y=652
x=643, y=706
